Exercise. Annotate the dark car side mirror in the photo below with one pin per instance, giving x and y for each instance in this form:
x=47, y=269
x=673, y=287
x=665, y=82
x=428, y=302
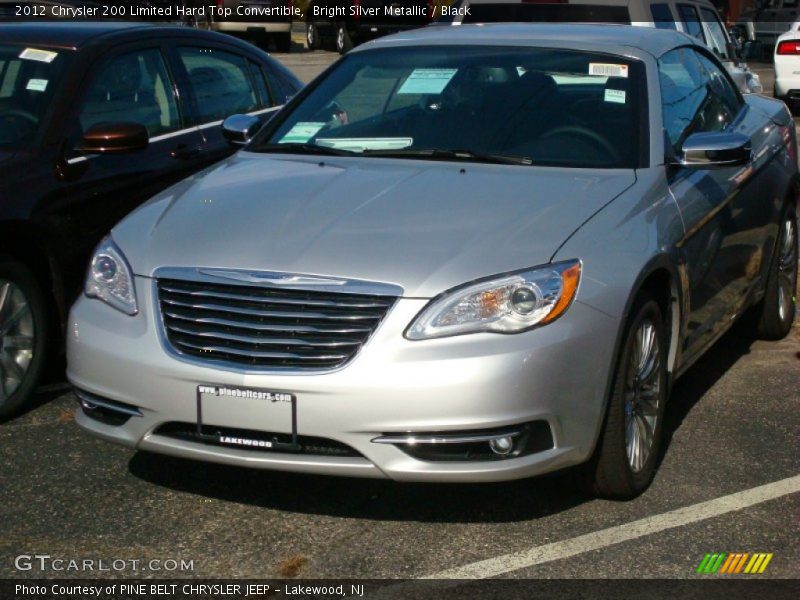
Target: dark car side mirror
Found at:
x=240, y=129
x=114, y=138
x=707, y=150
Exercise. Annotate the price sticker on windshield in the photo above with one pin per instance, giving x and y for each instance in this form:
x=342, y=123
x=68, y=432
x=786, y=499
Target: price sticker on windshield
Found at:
x=608, y=70
x=427, y=81
x=45, y=56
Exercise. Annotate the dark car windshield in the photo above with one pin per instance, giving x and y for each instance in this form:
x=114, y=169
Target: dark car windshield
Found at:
x=28, y=77
x=492, y=104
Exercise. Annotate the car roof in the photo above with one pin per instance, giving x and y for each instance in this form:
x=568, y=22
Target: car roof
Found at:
x=74, y=34
x=615, y=39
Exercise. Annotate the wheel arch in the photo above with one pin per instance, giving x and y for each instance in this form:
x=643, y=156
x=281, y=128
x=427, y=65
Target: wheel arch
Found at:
x=661, y=279
x=26, y=243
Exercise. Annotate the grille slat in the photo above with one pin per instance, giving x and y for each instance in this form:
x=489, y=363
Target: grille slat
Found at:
x=269, y=328
x=278, y=328
x=270, y=301
x=278, y=314
x=260, y=340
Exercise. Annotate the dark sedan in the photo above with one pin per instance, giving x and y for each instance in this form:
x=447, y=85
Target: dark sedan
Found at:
x=96, y=118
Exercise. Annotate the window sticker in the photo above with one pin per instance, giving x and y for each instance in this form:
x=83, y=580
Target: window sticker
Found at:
x=301, y=132
x=361, y=144
x=427, y=81
x=45, y=56
x=608, y=70
x=37, y=85
x=615, y=96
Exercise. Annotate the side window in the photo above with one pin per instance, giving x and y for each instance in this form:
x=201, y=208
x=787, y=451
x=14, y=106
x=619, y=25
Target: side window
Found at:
x=135, y=88
x=693, y=98
x=8, y=77
x=691, y=21
x=220, y=81
x=282, y=87
x=717, y=39
x=789, y=4
x=721, y=86
x=662, y=16
x=264, y=98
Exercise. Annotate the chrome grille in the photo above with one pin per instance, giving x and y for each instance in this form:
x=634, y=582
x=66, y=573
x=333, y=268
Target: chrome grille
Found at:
x=267, y=327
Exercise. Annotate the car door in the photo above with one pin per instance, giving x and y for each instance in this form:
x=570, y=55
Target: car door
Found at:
x=131, y=84
x=222, y=82
x=725, y=223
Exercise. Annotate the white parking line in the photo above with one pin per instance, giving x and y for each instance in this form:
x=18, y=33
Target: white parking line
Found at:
x=499, y=565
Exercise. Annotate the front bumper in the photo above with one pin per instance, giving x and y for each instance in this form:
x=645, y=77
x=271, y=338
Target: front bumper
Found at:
x=556, y=374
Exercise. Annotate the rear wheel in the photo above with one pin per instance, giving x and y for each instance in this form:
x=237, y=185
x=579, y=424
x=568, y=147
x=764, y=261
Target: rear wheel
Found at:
x=312, y=37
x=344, y=42
x=23, y=334
x=776, y=311
x=627, y=454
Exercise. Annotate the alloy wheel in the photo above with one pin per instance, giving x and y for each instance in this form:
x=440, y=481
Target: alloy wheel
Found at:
x=340, y=39
x=787, y=268
x=642, y=395
x=16, y=338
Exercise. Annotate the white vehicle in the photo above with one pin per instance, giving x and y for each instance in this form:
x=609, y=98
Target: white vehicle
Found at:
x=768, y=19
x=697, y=18
x=787, y=66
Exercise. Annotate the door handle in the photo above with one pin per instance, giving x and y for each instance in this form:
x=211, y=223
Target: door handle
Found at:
x=184, y=152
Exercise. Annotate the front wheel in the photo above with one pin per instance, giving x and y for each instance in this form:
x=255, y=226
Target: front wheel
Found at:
x=344, y=42
x=23, y=334
x=627, y=454
x=777, y=310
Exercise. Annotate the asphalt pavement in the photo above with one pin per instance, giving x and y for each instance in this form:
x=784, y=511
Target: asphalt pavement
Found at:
x=728, y=483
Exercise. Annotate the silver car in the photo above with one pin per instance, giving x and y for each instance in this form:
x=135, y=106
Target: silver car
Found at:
x=473, y=254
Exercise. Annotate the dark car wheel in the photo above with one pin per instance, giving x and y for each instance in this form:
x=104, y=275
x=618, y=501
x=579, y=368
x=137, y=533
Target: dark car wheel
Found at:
x=312, y=37
x=23, y=334
x=776, y=311
x=627, y=453
x=344, y=42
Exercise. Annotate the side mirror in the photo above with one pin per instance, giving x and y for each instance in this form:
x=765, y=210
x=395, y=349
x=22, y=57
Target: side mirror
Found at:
x=240, y=129
x=114, y=138
x=708, y=150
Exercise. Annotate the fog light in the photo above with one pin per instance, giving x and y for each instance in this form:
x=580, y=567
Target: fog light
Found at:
x=502, y=445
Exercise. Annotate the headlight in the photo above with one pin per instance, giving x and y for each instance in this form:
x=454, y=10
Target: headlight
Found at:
x=110, y=279
x=508, y=303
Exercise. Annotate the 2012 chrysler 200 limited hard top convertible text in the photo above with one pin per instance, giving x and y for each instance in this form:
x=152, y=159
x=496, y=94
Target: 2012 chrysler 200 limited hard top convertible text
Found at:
x=467, y=255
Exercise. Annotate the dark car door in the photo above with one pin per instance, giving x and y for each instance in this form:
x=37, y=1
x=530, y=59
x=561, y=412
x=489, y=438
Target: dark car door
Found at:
x=221, y=82
x=726, y=224
x=130, y=84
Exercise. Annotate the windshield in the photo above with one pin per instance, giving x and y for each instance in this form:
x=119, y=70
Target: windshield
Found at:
x=27, y=84
x=517, y=105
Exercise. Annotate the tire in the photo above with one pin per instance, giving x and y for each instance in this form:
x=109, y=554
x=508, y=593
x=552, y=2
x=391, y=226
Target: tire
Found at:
x=312, y=37
x=283, y=42
x=23, y=335
x=344, y=43
x=775, y=313
x=617, y=471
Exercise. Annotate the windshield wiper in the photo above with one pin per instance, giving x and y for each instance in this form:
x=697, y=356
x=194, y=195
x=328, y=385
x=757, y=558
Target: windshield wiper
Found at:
x=458, y=155
x=302, y=148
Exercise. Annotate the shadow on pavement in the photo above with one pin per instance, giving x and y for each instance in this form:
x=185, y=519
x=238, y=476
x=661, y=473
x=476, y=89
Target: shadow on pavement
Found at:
x=364, y=498
x=704, y=374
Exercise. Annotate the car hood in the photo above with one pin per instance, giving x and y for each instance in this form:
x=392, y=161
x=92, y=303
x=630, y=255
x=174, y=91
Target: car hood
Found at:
x=425, y=226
